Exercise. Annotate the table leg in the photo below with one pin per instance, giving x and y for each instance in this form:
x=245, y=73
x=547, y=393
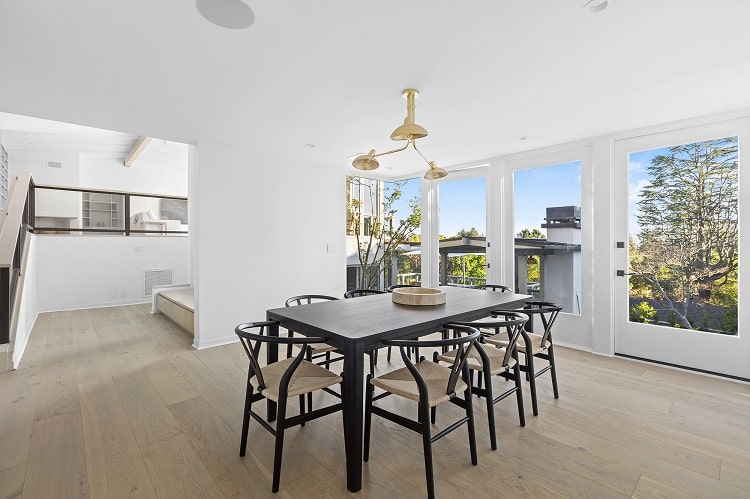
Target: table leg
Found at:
x=354, y=365
x=272, y=354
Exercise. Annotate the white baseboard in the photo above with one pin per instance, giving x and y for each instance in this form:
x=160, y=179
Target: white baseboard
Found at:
x=226, y=340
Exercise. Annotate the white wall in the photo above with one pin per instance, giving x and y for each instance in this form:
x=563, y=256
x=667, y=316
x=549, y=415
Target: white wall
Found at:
x=27, y=309
x=84, y=271
x=262, y=226
x=35, y=162
x=99, y=171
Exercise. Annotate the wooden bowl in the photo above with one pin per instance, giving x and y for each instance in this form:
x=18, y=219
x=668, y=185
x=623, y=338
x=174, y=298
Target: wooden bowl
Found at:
x=418, y=296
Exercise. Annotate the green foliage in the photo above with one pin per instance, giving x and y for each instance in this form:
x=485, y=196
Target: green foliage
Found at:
x=473, y=232
x=725, y=294
x=475, y=265
x=409, y=264
x=533, y=263
x=531, y=234
x=729, y=321
x=642, y=312
x=532, y=266
x=672, y=319
x=637, y=285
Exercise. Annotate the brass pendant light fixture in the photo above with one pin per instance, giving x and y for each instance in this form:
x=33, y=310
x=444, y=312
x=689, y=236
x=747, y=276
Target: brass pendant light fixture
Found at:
x=409, y=132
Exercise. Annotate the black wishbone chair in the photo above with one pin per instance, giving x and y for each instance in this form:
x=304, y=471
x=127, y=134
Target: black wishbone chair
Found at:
x=319, y=350
x=316, y=350
x=429, y=384
x=394, y=286
x=355, y=293
x=535, y=345
x=495, y=287
x=279, y=382
x=492, y=361
x=498, y=288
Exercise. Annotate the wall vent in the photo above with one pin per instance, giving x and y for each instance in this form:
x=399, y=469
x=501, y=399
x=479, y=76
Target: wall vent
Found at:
x=155, y=277
x=54, y=164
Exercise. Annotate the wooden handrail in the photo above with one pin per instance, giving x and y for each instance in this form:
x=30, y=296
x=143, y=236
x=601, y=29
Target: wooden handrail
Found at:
x=13, y=218
x=103, y=191
x=127, y=197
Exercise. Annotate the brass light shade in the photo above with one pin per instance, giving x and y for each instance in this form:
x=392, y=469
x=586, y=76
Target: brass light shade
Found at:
x=409, y=132
x=435, y=172
x=366, y=161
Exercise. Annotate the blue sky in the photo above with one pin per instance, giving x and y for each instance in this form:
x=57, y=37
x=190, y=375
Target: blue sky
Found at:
x=463, y=202
x=463, y=205
x=537, y=189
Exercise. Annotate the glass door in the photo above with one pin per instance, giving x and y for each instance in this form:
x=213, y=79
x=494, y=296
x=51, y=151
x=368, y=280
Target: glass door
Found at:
x=677, y=282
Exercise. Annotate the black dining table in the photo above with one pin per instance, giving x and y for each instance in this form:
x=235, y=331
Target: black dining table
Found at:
x=358, y=325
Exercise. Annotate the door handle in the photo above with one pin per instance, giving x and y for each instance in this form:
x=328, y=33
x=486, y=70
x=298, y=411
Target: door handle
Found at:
x=622, y=273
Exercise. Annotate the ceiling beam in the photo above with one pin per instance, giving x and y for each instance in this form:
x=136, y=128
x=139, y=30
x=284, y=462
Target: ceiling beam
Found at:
x=136, y=151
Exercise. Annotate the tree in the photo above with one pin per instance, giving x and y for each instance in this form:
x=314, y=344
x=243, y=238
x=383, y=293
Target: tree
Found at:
x=473, y=232
x=370, y=217
x=531, y=234
x=642, y=312
x=688, y=240
x=532, y=262
x=468, y=265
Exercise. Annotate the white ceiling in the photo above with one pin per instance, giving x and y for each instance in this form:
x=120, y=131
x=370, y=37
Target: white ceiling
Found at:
x=330, y=73
x=19, y=132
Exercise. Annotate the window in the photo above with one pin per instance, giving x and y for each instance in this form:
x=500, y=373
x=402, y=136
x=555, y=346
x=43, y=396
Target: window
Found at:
x=547, y=226
x=382, y=227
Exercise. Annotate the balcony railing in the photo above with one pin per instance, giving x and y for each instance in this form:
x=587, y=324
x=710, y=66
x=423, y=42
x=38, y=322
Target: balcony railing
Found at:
x=412, y=279
x=465, y=280
x=69, y=210
x=415, y=279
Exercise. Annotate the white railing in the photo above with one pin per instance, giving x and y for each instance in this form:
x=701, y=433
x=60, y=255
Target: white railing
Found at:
x=465, y=280
x=413, y=278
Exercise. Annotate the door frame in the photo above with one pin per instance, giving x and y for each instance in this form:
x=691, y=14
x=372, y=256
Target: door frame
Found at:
x=731, y=354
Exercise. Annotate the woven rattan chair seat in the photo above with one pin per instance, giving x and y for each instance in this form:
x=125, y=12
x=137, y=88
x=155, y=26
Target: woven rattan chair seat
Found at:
x=307, y=378
x=401, y=382
x=321, y=348
x=501, y=340
x=495, y=356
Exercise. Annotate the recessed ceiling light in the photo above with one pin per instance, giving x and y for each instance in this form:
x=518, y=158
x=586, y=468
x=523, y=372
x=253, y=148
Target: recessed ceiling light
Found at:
x=311, y=146
x=595, y=6
x=232, y=14
x=522, y=137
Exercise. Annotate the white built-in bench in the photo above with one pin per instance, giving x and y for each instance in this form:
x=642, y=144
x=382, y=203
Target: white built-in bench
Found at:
x=176, y=303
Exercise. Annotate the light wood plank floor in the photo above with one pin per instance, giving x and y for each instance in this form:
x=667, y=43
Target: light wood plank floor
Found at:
x=114, y=402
